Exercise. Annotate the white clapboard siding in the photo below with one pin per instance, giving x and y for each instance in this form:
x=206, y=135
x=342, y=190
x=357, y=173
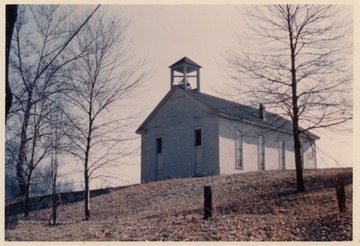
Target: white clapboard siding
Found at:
x=250, y=155
x=175, y=121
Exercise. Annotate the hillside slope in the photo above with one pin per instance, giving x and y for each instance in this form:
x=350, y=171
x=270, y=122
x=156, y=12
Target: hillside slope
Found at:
x=257, y=206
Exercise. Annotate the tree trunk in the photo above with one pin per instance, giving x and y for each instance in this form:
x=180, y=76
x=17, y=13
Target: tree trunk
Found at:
x=86, y=176
x=11, y=15
x=27, y=186
x=87, y=155
x=295, y=109
x=53, y=201
x=298, y=164
x=20, y=171
x=54, y=215
x=87, y=195
x=27, y=199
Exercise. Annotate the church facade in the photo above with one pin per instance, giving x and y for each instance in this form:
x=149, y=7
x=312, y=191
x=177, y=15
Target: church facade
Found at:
x=193, y=134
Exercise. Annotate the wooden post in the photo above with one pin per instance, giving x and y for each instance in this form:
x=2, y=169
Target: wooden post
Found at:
x=207, y=202
x=198, y=80
x=340, y=195
x=171, y=78
x=185, y=76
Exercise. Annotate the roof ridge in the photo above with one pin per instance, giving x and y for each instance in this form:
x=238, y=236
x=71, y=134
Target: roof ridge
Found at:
x=224, y=100
x=236, y=103
x=242, y=111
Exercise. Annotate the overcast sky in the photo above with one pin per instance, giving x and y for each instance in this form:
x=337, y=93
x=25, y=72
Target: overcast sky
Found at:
x=166, y=33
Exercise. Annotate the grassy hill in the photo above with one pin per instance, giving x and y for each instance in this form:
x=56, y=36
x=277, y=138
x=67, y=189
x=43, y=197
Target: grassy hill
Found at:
x=257, y=206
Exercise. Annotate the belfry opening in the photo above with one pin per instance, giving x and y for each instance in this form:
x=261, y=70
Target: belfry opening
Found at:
x=186, y=74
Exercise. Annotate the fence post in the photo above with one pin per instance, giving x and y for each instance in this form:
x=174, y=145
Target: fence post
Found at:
x=207, y=202
x=340, y=195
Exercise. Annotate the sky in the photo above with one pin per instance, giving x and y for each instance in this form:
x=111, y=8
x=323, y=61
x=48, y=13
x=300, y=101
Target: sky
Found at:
x=163, y=34
x=166, y=33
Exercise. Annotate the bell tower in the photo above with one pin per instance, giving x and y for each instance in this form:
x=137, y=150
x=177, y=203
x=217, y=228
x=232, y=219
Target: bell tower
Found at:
x=188, y=74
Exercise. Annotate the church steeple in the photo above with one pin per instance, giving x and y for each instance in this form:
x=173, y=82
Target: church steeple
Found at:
x=184, y=70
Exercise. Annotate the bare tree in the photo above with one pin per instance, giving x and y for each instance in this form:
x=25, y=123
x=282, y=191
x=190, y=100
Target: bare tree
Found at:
x=58, y=123
x=41, y=34
x=297, y=60
x=56, y=119
x=100, y=81
x=31, y=49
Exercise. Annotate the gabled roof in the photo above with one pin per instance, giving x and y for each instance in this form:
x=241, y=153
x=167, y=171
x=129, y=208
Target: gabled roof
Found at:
x=157, y=108
x=230, y=109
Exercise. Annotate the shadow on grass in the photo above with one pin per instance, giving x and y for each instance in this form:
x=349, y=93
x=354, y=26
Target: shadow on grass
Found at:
x=44, y=202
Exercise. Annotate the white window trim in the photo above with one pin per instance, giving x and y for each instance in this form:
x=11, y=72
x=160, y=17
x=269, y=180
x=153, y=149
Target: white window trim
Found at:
x=282, y=150
x=159, y=169
x=261, y=154
x=239, y=157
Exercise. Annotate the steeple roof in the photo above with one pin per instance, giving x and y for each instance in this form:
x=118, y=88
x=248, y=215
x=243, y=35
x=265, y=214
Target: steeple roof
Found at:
x=191, y=65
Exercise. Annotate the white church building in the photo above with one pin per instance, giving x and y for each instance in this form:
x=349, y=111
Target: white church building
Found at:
x=192, y=134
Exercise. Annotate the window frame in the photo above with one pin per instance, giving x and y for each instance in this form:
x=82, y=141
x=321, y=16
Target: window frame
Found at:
x=261, y=152
x=282, y=154
x=239, y=161
x=158, y=145
x=198, y=137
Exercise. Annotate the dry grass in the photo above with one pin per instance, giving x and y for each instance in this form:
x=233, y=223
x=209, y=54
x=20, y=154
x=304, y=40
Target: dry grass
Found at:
x=259, y=206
